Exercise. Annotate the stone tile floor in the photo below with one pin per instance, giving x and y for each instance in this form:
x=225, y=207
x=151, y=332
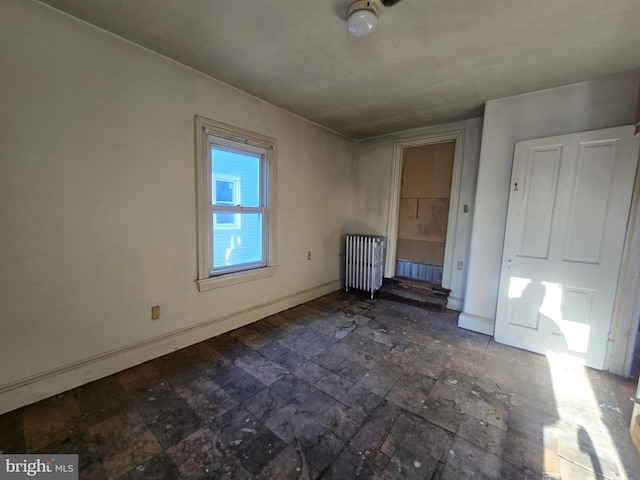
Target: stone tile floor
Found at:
x=341, y=387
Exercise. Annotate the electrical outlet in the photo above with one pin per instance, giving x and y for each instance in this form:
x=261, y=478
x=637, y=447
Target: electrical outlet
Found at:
x=309, y=255
x=155, y=312
x=465, y=209
x=459, y=265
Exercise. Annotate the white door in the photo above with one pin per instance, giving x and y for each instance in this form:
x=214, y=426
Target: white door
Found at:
x=566, y=225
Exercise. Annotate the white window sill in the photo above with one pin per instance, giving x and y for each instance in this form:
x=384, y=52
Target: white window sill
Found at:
x=236, y=277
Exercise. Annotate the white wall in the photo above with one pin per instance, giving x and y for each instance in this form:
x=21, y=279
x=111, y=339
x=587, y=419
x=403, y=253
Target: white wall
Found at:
x=372, y=190
x=97, y=205
x=581, y=107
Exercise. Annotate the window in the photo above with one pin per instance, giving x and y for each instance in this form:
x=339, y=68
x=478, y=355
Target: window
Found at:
x=236, y=178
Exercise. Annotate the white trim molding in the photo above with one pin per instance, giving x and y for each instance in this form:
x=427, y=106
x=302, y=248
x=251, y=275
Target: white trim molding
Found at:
x=455, y=303
x=235, y=278
x=476, y=323
x=626, y=313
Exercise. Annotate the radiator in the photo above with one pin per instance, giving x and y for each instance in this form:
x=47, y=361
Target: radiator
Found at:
x=364, y=262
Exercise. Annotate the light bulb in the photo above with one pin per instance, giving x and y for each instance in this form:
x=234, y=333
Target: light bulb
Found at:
x=362, y=21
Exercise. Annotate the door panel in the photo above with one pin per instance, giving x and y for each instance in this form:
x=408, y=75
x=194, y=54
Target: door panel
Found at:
x=566, y=224
x=590, y=202
x=538, y=201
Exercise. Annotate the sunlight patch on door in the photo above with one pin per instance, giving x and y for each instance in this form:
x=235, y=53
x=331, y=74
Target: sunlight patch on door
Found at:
x=517, y=286
x=570, y=310
x=525, y=300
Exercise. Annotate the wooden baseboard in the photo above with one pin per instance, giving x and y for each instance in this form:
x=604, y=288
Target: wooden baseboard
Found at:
x=60, y=379
x=476, y=323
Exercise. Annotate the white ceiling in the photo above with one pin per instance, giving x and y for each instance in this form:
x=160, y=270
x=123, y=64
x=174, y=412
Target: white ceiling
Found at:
x=429, y=62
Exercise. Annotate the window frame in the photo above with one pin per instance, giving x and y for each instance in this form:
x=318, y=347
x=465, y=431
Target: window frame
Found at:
x=210, y=132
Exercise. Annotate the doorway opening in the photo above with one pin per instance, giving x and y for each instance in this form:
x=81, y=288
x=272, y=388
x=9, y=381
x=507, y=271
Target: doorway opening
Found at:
x=423, y=207
x=425, y=193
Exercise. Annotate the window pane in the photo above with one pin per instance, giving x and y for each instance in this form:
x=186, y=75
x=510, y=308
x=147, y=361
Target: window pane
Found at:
x=225, y=219
x=224, y=193
x=245, y=167
x=237, y=246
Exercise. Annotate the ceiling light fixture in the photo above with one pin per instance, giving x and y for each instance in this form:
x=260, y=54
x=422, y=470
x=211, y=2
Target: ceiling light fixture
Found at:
x=362, y=18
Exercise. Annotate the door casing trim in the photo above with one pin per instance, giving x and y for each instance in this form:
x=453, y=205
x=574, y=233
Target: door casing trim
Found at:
x=626, y=312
